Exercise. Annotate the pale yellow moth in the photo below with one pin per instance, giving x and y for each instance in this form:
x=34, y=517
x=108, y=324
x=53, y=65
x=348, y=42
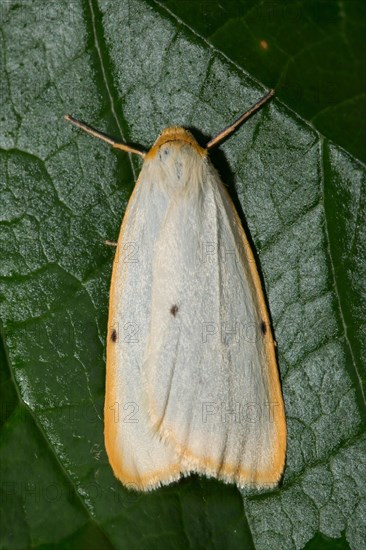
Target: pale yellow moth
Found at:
x=192, y=383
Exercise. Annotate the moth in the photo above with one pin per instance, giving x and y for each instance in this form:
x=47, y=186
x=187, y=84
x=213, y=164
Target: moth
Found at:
x=192, y=382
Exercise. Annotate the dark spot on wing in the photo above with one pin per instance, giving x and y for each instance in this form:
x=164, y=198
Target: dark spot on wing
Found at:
x=174, y=310
x=114, y=335
x=263, y=328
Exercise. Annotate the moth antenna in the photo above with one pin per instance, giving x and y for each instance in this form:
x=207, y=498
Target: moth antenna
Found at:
x=103, y=137
x=230, y=129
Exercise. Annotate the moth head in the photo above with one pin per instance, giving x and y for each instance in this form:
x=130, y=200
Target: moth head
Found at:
x=176, y=136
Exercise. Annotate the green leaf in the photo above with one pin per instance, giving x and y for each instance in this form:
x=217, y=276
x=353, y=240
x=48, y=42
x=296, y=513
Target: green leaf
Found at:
x=130, y=69
x=311, y=51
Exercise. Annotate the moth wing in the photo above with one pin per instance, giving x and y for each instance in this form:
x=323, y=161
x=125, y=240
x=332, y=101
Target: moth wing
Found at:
x=136, y=453
x=212, y=381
